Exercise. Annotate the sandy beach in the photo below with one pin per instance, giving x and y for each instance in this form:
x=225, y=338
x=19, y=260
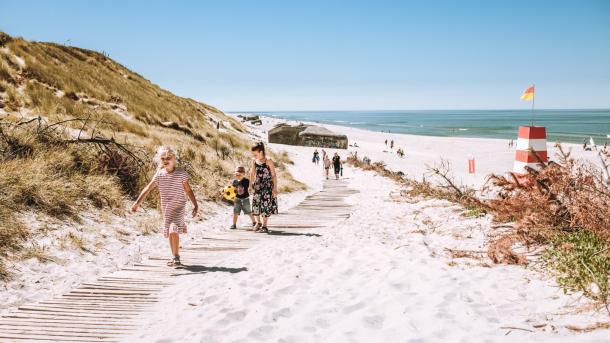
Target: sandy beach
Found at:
x=490, y=155
x=383, y=274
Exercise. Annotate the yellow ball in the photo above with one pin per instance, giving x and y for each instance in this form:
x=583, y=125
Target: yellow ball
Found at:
x=229, y=193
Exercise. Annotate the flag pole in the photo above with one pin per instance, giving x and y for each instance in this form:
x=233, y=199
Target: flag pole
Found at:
x=533, y=102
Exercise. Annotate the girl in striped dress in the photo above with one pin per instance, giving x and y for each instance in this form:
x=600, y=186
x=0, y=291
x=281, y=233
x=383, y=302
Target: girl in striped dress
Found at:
x=173, y=189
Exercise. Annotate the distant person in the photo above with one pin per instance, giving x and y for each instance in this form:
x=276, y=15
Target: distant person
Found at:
x=326, y=164
x=366, y=160
x=316, y=157
x=242, y=197
x=392, y=144
x=356, y=145
x=386, y=142
x=174, y=188
x=323, y=154
x=337, y=165
x=263, y=187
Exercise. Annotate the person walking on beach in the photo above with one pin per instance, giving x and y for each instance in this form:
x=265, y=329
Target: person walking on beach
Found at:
x=323, y=154
x=386, y=142
x=326, y=165
x=173, y=187
x=337, y=165
x=392, y=144
x=316, y=157
x=242, y=197
x=263, y=187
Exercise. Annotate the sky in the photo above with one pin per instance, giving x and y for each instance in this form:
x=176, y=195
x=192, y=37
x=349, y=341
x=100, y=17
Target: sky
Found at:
x=343, y=55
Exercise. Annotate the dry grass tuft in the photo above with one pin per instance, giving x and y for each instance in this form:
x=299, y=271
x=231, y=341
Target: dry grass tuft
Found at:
x=447, y=189
x=41, y=253
x=149, y=225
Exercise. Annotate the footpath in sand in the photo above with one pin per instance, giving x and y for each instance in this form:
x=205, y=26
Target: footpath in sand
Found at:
x=115, y=305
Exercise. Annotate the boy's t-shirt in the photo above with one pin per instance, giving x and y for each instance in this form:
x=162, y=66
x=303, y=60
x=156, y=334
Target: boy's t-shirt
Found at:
x=241, y=188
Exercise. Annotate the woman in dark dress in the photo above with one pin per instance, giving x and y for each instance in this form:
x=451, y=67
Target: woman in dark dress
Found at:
x=263, y=187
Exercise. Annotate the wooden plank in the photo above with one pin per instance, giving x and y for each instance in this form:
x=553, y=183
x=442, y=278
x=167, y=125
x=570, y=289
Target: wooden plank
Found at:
x=71, y=319
x=96, y=334
x=99, y=304
x=71, y=309
x=107, y=309
x=63, y=326
x=40, y=312
x=67, y=321
x=122, y=293
x=8, y=337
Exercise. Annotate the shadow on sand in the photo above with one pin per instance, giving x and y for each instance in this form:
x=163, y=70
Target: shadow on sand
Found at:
x=285, y=233
x=197, y=269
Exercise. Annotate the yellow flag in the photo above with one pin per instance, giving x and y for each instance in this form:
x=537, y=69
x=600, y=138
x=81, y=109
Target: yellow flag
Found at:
x=528, y=94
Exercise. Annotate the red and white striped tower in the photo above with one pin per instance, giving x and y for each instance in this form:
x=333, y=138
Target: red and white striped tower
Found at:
x=531, y=141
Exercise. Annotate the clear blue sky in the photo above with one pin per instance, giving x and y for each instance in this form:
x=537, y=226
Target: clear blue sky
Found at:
x=323, y=55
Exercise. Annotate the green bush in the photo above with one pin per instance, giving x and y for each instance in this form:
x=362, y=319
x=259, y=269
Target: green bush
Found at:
x=582, y=263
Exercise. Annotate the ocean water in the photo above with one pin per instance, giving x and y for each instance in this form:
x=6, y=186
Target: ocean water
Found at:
x=566, y=125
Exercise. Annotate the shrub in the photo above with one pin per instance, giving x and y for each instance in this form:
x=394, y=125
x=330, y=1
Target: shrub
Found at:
x=581, y=260
x=559, y=198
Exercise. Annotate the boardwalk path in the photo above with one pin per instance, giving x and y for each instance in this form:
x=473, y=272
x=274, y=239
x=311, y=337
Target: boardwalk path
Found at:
x=113, y=306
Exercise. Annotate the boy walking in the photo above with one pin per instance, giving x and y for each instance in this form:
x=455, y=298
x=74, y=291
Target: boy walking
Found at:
x=242, y=200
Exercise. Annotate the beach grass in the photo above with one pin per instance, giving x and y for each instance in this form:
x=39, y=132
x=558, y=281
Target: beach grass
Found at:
x=79, y=131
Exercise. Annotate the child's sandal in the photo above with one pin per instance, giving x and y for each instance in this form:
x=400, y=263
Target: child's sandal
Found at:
x=175, y=261
x=263, y=229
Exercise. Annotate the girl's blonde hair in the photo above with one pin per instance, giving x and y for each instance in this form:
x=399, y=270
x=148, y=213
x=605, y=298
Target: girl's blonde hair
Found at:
x=162, y=150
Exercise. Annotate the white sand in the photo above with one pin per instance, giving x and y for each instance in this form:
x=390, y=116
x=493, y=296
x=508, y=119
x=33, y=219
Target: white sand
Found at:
x=491, y=155
x=383, y=275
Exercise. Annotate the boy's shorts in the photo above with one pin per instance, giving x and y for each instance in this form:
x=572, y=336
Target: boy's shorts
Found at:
x=240, y=205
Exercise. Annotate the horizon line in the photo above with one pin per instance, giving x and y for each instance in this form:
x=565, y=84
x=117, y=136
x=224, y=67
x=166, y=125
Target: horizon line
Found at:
x=411, y=110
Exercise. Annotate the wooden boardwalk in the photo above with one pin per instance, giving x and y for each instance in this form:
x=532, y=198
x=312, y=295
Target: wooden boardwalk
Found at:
x=114, y=306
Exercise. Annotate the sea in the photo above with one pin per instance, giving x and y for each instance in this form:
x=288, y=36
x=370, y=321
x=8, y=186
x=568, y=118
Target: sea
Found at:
x=572, y=126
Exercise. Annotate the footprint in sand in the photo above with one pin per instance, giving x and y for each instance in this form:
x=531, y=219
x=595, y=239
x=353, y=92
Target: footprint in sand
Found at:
x=284, y=290
x=348, y=273
x=373, y=322
x=237, y=315
x=322, y=323
x=352, y=308
x=285, y=313
x=261, y=332
x=270, y=303
x=254, y=297
x=210, y=300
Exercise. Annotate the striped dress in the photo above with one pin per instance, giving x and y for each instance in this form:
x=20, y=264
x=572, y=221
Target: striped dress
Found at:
x=173, y=199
